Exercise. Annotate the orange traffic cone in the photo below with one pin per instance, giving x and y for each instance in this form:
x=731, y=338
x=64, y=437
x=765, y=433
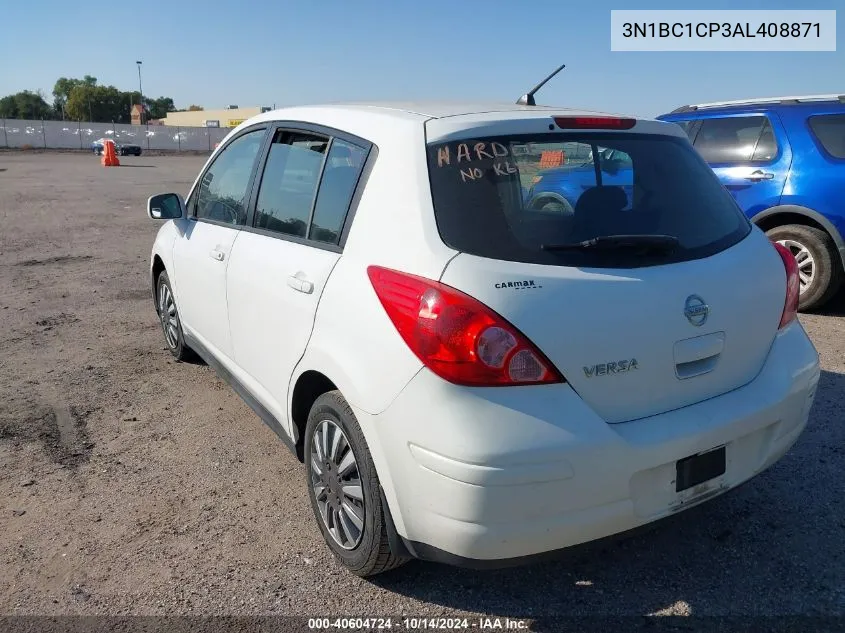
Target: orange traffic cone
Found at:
x=109, y=155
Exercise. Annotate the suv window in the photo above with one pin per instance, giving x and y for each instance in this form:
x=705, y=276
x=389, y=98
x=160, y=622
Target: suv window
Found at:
x=289, y=183
x=688, y=127
x=484, y=197
x=735, y=139
x=829, y=129
x=343, y=167
x=222, y=192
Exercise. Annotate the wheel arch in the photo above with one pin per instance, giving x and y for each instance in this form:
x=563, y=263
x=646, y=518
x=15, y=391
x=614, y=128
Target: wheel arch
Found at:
x=309, y=385
x=795, y=214
x=157, y=267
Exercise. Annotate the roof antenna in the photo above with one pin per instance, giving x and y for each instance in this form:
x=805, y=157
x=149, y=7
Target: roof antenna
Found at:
x=528, y=99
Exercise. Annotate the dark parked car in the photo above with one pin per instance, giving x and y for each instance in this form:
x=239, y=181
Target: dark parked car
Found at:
x=121, y=147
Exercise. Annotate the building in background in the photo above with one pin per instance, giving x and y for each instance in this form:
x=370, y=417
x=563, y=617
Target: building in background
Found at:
x=136, y=114
x=229, y=117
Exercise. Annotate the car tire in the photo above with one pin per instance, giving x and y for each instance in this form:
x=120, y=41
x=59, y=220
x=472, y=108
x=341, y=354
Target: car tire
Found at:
x=167, y=312
x=550, y=203
x=366, y=550
x=818, y=259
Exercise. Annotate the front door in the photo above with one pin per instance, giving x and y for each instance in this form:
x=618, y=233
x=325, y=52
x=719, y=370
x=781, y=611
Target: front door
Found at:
x=201, y=254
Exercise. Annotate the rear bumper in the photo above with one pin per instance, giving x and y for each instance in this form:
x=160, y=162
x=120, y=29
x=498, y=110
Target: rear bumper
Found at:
x=490, y=476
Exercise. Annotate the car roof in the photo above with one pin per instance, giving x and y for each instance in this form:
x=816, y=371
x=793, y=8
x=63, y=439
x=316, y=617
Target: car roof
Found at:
x=386, y=121
x=422, y=109
x=797, y=102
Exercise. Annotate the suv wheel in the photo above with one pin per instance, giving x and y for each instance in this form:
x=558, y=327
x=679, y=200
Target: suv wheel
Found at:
x=171, y=325
x=819, y=265
x=344, y=488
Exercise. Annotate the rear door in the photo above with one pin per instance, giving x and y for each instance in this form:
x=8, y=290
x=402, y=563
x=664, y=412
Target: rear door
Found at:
x=634, y=332
x=201, y=255
x=749, y=154
x=283, y=257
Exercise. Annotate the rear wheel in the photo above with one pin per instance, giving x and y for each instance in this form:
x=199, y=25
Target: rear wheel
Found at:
x=819, y=264
x=344, y=488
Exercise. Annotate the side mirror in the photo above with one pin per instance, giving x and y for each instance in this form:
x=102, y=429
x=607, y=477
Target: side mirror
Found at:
x=166, y=206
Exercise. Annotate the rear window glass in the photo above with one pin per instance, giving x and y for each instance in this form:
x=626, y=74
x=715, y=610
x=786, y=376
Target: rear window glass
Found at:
x=829, y=129
x=508, y=197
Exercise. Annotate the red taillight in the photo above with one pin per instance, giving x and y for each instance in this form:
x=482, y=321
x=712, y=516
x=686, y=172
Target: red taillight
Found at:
x=457, y=337
x=793, y=285
x=594, y=123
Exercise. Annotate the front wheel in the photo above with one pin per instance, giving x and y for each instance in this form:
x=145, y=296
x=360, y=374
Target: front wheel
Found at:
x=819, y=265
x=168, y=315
x=553, y=205
x=344, y=488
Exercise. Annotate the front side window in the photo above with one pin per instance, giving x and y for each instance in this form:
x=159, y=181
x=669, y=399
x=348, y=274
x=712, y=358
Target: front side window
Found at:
x=289, y=184
x=829, y=129
x=499, y=198
x=222, y=192
x=736, y=140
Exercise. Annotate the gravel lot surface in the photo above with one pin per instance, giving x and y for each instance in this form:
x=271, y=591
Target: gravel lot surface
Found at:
x=132, y=484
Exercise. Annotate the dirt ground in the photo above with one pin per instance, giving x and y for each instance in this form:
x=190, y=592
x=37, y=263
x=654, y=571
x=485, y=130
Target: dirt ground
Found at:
x=132, y=484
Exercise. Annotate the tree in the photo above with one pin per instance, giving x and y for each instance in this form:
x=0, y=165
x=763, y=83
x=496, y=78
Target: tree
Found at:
x=97, y=104
x=24, y=105
x=158, y=108
x=64, y=86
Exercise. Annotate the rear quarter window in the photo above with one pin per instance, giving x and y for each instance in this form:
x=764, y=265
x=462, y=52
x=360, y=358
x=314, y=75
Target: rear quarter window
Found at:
x=829, y=130
x=508, y=197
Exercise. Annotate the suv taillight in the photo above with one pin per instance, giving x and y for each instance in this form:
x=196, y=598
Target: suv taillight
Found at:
x=456, y=336
x=793, y=285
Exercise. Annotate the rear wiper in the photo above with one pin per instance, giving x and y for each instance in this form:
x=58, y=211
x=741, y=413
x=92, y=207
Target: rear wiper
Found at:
x=661, y=243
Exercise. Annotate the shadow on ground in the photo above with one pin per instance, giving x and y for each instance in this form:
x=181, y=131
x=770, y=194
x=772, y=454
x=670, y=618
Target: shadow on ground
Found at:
x=836, y=306
x=765, y=548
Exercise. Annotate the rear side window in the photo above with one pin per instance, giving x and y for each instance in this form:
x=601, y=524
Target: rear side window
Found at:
x=501, y=198
x=289, y=183
x=343, y=167
x=829, y=130
x=307, y=186
x=736, y=140
x=688, y=127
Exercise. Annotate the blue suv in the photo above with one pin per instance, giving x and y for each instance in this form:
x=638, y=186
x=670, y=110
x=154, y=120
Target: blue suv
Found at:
x=783, y=160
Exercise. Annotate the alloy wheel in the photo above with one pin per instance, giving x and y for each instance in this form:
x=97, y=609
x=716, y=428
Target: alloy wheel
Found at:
x=806, y=263
x=336, y=484
x=168, y=315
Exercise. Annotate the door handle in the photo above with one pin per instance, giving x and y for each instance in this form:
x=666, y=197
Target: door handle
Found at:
x=218, y=255
x=758, y=175
x=300, y=285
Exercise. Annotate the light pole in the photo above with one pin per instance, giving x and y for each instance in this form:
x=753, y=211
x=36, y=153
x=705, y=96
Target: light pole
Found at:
x=141, y=91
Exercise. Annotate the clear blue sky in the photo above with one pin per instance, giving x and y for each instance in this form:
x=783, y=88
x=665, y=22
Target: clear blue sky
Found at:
x=261, y=52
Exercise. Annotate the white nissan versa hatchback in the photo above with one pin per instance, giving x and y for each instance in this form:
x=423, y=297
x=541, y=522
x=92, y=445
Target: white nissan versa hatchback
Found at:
x=467, y=378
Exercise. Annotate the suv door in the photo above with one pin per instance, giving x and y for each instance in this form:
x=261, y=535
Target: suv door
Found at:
x=283, y=257
x=750, y=155
x=217, y=208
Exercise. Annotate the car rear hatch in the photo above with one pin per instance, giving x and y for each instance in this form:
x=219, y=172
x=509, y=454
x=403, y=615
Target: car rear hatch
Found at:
x=683, y=311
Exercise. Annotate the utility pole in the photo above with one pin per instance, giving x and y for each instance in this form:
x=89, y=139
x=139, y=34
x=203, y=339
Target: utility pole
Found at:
x=141, y=91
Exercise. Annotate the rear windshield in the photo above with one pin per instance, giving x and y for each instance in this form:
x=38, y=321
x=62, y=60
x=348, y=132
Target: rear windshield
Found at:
x=506, y=197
